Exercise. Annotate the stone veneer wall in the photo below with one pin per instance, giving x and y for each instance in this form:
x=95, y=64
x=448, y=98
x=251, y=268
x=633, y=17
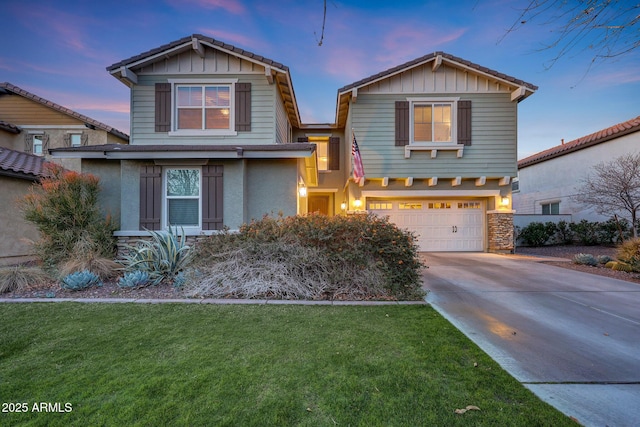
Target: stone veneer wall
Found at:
x=124, y=241
x=500, y=226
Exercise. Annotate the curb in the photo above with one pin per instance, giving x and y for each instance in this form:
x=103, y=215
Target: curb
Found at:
x=206, y=301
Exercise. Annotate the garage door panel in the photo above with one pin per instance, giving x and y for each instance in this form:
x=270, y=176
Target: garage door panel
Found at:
x=440, y=226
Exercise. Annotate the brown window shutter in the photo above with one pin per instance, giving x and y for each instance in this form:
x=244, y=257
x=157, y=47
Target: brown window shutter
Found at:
x=402, y=123
x=163, y=107
x=464, y=122
x=150, y=197
x=243, y=107
x=212, y=197
x=334, y=153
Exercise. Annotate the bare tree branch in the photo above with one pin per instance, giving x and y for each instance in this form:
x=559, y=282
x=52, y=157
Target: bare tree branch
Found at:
x=614, y=187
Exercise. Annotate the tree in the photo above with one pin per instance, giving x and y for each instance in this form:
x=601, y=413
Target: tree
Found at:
x=614, y=187
x=607, y=28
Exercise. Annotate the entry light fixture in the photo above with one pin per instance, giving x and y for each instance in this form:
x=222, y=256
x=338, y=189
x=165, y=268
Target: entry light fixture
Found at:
x=343, y=206
x=504, y=201
x=357, y=203
x=302, y=190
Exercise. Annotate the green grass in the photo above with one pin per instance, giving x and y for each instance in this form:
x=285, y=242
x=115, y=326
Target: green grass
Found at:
x=197, y=365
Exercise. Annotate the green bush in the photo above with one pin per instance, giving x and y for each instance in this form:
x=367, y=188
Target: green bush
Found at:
x=586, y=232
x=355, y=244
x=564, y=235
x=537, y=233
x=162, y=257
x=64, y=208
x=614, y=230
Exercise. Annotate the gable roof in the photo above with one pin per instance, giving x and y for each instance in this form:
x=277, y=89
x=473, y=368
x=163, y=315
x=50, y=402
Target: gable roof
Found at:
x=9, y=88
x=604, y=135
x=437, y=57
x=18, y=164
x=122, y=69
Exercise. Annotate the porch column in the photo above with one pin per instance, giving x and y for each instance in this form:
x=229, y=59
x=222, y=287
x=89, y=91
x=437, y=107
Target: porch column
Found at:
x=500, y=231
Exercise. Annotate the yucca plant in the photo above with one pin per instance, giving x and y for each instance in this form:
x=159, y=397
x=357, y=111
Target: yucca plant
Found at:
x=80, y=280
x=162, y=257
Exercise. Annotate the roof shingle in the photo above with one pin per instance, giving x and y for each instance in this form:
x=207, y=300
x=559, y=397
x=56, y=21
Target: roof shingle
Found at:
x=20, y=164
x=598, y=137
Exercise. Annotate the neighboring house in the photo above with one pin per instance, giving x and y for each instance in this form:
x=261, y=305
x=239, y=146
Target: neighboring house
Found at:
x=29, y=125
x=212, y=146
x=547, y=181
x=18, y=172
x=33, y=125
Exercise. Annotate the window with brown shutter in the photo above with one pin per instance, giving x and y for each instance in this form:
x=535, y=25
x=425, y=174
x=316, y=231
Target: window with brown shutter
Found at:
x=464, y=122
x=243, y=107
x=212, y=197
x=334, y=153
x=150, y=197
x=402, y=123
x=163, y=107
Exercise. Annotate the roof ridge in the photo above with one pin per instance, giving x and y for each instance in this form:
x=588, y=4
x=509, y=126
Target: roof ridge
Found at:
x=598, y=137
x=17, y=90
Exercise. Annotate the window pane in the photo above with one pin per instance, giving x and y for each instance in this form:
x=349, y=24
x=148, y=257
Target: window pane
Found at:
x=323, y=156
x=189, y=96
x=37, y=144
x=422, y=128
x=442, y=122
x=183, y=212
x=217, y=96
x=75, y=140
x=183, y=182
x=189, y=118
x=217, y=118
x=555, y=208
x=546, y=210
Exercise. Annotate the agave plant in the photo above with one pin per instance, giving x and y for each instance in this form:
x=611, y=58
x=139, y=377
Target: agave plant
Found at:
x=136, y=279
x=164, y=256
x=80, y=280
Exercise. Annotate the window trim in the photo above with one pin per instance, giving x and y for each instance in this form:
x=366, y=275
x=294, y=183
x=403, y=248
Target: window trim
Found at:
x=37, y=137
x=174, y=131
x=164, y=216
x=417, y=101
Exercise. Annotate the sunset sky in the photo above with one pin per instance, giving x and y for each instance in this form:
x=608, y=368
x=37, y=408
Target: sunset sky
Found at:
x=59, y=50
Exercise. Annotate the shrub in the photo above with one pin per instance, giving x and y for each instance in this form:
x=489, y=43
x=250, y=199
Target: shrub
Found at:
x=586, y=232
x=629, y=253
x=162, y=257
x=613, y=230
x=619, y=266
x=603, y=259
x=80, y=280
x=563, y=235
x=353, y=246
x=19, y=277
x=537, y=233
x=64, y=207
x=85, y=256
x=585, y=259
x=135, y=279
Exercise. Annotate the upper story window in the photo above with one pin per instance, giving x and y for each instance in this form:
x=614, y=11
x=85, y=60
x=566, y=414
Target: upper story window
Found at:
x=203, y=107
x=206, y=107
x=38, y=145
x=432, y=122
x=75, y=139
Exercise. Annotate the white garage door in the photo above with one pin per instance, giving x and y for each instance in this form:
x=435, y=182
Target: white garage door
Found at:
x=441, y=225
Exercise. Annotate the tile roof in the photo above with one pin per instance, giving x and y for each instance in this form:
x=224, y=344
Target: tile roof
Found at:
x=188, y=39
x=8, y=87
x=599, y=137
x=434, y=55
x=9, y=127
x=20, y=164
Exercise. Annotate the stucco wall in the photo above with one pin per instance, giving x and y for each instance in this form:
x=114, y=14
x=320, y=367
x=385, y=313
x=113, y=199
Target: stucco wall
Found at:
x=271, y=188
x=15, y=230
x=557, y=179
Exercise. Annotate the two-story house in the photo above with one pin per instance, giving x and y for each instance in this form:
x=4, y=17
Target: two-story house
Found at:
x=29, y=126
x=213, y=130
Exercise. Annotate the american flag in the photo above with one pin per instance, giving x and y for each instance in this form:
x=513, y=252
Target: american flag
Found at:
x=358, y=169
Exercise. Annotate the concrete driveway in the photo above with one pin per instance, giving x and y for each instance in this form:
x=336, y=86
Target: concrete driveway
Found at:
x=572, y=338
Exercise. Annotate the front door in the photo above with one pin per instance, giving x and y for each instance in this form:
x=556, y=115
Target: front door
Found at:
x=319, y=204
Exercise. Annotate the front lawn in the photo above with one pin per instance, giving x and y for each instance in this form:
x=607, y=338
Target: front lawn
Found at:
x=256, y=365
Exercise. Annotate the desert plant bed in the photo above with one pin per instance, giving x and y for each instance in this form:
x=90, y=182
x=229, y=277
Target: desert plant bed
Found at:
x=71, y=364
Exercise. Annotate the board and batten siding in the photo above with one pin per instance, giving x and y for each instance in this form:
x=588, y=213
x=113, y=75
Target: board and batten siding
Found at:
x=144, y=104
x=283, y=126
x=492, y=153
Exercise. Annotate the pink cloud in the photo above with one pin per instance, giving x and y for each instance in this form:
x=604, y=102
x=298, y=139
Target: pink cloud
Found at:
x=231, y=6
x=405, y=43
x=348, y=63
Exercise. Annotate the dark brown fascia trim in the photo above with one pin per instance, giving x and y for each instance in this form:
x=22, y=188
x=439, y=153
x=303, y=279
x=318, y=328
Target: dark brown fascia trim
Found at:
x=19, y=175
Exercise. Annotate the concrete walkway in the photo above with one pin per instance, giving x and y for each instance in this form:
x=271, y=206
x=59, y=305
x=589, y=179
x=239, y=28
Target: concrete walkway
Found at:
x=572, y=338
